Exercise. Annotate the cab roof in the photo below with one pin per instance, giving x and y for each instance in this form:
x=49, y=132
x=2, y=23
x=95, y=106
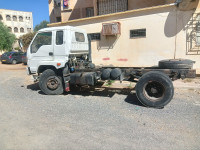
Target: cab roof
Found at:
x=61, y=28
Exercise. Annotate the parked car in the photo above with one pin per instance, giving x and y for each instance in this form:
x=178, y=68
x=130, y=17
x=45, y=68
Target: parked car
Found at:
x=11, y=57
x=24, y=58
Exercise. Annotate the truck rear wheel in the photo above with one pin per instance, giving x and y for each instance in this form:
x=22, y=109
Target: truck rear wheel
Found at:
x=155, y=89
x=50, y=83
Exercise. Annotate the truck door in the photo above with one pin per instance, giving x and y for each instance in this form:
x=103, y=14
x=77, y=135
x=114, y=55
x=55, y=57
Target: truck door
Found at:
x=59, y=46
x=41, y=49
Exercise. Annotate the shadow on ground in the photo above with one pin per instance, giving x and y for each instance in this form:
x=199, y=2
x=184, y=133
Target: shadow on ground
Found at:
x=97, y=91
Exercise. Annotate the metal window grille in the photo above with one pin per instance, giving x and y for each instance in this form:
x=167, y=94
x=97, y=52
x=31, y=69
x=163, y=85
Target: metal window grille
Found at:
x=95, y=36
x=111, y=6
x=138, y=33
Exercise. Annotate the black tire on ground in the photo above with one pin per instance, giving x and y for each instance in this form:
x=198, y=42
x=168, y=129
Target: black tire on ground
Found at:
x=155, y=89
x=106, y=74
x=3, y=62
x=14, y=62
x=176, y=64
x=50, y=83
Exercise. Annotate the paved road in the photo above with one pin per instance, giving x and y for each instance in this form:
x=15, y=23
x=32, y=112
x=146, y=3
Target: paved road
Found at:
x=92, y=120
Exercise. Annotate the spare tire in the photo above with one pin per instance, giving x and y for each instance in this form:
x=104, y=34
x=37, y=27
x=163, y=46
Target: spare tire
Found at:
x=176, y=64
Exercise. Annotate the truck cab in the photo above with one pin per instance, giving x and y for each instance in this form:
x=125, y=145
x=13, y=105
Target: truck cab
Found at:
x=52, y=47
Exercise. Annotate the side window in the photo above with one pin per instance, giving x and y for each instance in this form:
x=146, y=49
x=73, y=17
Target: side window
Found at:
x=59, y=37
x=79, y=37
x=138, y=33
x=41, y=39
x=15, y=54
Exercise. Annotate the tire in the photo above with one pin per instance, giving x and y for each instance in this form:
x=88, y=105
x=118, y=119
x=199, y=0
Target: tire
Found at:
x=14, y=62
x=155, y=89
x=176, y=64
x=50, y=83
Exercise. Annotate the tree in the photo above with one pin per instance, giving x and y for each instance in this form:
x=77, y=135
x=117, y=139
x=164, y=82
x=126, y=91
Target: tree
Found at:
x=42, y=25
x=7, y=39
x=26, y=39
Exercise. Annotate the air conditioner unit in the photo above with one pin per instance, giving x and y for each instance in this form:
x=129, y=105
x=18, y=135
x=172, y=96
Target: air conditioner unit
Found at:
x=111, y=28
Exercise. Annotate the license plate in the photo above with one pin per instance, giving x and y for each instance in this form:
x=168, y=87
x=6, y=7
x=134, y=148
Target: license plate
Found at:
x=3, y=60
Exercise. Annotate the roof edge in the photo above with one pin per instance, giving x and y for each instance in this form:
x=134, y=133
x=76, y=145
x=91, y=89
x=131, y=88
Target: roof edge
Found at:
x=113, y=14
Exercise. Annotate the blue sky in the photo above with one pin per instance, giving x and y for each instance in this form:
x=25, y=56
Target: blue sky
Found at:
x=39, y=8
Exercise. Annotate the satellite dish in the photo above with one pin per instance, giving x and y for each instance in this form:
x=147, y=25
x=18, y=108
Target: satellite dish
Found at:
x=185, y=5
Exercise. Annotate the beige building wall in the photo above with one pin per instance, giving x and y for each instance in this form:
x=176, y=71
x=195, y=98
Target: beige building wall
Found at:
x=77, y=8
x=23, y=26
x=168, y=31
x=55, y=11
x=136, y=4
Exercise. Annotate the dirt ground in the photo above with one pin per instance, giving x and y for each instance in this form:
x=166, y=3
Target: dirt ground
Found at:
x=101, y=119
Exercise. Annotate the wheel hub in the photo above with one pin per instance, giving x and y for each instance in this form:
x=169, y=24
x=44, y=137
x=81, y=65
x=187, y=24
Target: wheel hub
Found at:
x=52, y=83
x=154, y=91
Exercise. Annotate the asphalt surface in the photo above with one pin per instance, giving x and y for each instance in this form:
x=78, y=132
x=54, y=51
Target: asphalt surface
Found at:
x=30, y=120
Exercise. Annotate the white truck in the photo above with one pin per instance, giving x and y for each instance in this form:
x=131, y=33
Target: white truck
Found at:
x=60, y=57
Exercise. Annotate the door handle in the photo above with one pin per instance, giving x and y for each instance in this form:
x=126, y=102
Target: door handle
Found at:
x=50, y=53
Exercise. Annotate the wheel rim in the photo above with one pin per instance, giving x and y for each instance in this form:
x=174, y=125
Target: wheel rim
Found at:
x=14, y=61
x=52, y=83
x=154, y=91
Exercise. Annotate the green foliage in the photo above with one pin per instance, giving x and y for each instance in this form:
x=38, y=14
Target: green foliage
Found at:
x=6, y=38
x=17, y=48
x=26, y=39
x=42, y=25
x=110, y=82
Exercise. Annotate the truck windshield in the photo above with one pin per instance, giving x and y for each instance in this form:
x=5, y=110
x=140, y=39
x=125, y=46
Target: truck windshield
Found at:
x=41, y=39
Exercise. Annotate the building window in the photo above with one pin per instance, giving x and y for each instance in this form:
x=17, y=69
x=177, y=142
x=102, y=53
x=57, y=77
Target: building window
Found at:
x=138, y=33
x=14, y=18
x=79, y=37
x=22, y=30
x=95, y=36
x=8, y=18
x=89, y=12
x=59, y=37
x=58, y=19
x=20, y=18
x=10, y=29
x=15, y=29
x=1, y=18
x=111, y=6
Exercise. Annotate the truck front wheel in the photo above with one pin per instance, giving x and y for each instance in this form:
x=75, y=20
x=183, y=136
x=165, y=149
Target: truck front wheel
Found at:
x=155, y=89
x=50, y=83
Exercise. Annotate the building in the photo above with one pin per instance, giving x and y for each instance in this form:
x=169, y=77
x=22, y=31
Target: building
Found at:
x=19, y=22
x=140, y=34
x=64, y=10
